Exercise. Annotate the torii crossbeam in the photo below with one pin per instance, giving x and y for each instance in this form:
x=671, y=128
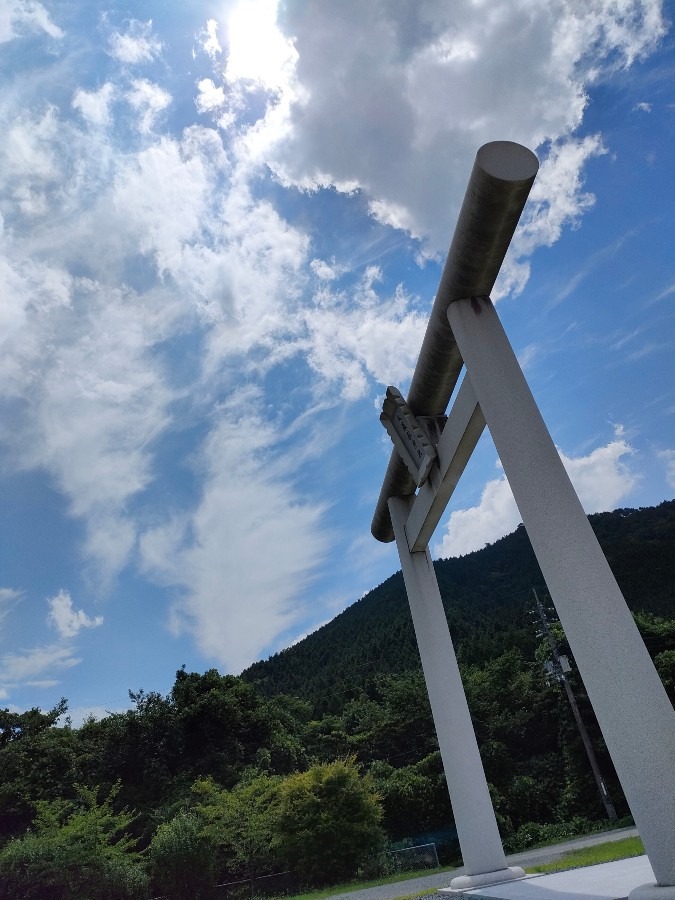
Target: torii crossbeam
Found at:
x=629, y=700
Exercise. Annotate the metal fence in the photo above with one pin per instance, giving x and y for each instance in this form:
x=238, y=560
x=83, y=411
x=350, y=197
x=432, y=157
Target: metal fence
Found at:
x=408, y=859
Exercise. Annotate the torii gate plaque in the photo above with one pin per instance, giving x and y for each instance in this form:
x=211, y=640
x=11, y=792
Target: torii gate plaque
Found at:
x=631, y=705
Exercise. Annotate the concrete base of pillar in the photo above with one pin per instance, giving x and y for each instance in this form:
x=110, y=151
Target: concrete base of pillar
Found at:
x=469, y=882
x=653, y=892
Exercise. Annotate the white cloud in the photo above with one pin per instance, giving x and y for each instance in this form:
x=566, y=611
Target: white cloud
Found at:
x=83, y=355
x=136, y=45
x=210, y=97
x=470, y=529
x=557, y=200
x=94, y=106
x=602, y=480
x=79, y=363
x=67, y=620
x=209, y=39
x=253, y=545
x=666, y=292
x=31, y=163
x=20, y=16
x=517, y=71
x=528, y=355
x=163, y=194
x=354, y=336
x=149, y=100
x=323, y=270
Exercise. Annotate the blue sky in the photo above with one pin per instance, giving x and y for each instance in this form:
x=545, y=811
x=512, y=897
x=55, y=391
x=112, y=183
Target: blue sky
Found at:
x=222, y=228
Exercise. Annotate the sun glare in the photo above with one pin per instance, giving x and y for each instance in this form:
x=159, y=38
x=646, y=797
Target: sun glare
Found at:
x=257, y=50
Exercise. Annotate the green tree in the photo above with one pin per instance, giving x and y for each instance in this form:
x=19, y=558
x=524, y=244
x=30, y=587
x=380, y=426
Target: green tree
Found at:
x=182, y=858
x=243, y=824
x=415, y=798
x=36, y=763
x=143, y=749
x=75, y=851
x=329, y=821
x=223, y=722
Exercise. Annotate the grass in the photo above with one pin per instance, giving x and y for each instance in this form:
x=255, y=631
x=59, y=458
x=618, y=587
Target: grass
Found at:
x=591, y=856
x=351, y=886
x=572, y=859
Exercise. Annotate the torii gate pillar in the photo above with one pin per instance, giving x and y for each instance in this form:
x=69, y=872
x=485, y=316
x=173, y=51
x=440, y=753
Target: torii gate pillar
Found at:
x=479, y=840
x=628, y=698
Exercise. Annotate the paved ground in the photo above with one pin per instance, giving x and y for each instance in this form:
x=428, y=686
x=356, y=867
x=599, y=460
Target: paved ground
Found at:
x=443, y=879
x=606, y=881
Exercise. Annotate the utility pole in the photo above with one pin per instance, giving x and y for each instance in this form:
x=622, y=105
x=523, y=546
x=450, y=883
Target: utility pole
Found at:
x=558, y=669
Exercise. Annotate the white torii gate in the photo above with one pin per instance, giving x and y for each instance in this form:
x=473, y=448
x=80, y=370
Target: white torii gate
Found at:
x=631, y=705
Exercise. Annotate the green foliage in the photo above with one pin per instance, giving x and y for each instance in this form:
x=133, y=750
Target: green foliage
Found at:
x=181, y=858
x=329, y=821
x=18, y=726
x=141, y=748
x=223, y=722
x=242, y=824
x=75, y=851
x=534, y=835
x=36, y=761
x=414, y=798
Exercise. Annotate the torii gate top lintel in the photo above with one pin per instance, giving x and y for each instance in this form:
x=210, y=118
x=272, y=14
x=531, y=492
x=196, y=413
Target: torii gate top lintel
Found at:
x=500, y=182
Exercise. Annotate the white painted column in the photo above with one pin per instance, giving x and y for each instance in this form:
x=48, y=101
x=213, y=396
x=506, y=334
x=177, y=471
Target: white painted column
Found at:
x=631, y=705
x=475, y=821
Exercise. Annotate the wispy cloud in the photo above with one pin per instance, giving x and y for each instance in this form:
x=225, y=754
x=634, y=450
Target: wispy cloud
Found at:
x=599, y=258
x=18, y=17
x=666, y=292
x=246, y=555
x=149, y=100
x=24, y=667
x=9, y=597
x=355, y=336
x=137, y=44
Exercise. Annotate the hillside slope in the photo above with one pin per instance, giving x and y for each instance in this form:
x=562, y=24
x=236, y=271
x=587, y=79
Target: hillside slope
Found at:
x=487, y=596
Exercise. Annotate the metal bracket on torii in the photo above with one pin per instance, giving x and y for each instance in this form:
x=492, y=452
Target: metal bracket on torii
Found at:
x=631, y=705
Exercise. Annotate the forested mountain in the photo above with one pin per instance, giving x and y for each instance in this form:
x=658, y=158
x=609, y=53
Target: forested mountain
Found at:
x=316, y=759
x=487, y=595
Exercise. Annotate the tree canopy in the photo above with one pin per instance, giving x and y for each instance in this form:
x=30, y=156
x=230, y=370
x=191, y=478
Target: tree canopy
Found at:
x=315, y=759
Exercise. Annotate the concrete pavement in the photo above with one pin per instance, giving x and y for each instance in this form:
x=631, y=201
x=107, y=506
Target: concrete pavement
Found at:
x=527, y=858
x=606, y=881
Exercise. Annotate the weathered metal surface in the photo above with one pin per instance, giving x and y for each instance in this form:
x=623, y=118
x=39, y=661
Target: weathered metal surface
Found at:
x=498, y=188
